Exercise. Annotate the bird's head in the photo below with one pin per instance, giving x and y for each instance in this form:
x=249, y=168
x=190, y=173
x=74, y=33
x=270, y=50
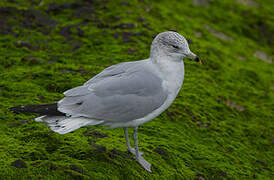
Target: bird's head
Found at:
x=171, y=45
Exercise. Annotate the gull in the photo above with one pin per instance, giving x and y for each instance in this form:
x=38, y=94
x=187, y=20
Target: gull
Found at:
x=123, y=95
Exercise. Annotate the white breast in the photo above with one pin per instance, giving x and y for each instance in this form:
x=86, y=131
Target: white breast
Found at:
x=173, y=79
x=173, y=74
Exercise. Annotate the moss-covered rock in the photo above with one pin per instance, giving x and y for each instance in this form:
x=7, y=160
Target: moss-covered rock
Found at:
x=219, y=127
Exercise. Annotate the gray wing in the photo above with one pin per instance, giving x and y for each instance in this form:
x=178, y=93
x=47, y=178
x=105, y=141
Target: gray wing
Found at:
x=123, y=92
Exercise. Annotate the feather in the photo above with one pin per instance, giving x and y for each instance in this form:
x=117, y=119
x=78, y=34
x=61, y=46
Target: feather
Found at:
x=63, y=124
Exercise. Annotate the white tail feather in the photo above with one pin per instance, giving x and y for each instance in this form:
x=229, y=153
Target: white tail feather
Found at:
x=63, y=124
x=39, y=119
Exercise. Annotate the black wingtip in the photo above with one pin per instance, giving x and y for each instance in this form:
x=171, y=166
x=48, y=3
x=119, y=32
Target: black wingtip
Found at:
x=172, y=30
x=17, y=109
x=43, y=109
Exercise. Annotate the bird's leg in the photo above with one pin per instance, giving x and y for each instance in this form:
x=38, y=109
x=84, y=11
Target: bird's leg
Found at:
x=130, y=149
x=135, y=138
x=146, y=165
x=128, y=144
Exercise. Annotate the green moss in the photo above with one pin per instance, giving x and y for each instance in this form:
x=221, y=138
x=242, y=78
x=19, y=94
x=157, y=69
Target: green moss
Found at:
x=46, y=51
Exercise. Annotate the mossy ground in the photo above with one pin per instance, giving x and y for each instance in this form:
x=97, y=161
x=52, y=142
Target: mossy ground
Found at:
x=219, y=127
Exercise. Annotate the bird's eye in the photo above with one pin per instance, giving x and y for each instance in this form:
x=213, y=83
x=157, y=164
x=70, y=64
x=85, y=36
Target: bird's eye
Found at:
x=176, y=47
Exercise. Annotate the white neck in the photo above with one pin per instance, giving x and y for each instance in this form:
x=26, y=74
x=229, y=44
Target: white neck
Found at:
x=169, y=65
x=172, y=72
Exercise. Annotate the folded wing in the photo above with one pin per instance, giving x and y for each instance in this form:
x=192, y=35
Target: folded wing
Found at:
x=123, y=92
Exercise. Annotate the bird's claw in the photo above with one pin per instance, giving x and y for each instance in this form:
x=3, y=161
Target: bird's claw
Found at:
x=146, y=165
x=132, y=151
